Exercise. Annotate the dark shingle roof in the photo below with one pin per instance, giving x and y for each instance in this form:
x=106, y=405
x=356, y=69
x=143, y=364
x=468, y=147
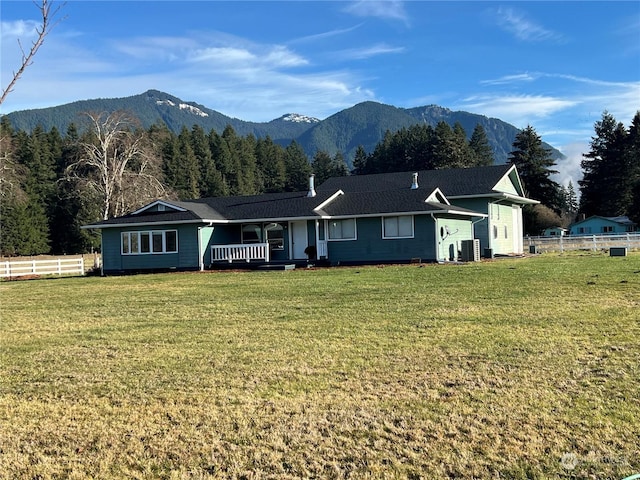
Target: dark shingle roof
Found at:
x=385, y=202
x=384, y=193
x=452, y=182
x=267, y=206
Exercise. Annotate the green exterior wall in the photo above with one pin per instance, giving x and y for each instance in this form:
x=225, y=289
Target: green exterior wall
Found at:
x=186, y=258
x=371, y=247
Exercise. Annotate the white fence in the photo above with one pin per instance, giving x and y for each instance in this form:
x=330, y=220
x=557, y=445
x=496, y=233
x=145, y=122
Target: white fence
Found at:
x=583, y=242
x=53, y=266
x=245, y=252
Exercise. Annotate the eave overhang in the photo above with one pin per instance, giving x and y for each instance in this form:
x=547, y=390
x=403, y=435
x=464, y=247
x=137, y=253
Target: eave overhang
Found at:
x=500, y=196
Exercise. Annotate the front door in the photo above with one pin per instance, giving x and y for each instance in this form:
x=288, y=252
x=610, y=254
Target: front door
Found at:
x=299, y=241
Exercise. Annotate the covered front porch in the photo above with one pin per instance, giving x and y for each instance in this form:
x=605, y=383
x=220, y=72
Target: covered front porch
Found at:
x=270, y=243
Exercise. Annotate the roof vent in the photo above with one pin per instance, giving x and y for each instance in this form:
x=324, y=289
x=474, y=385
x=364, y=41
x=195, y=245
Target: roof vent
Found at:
x=312, y=190
x=414, y=183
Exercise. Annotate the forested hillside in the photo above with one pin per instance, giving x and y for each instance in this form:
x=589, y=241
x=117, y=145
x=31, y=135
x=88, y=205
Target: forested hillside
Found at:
x=363, y=125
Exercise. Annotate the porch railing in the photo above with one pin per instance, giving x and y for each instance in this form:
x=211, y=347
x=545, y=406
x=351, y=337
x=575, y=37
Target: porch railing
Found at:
x=244, y=252
x=322, y=249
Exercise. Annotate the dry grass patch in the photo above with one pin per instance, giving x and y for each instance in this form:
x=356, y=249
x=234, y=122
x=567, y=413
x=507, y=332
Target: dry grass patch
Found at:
x=509, y=369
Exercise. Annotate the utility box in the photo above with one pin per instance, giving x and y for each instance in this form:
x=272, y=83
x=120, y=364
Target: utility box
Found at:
x=470, y=250
x=533, y=249
x=488, y=253
x=618, y=252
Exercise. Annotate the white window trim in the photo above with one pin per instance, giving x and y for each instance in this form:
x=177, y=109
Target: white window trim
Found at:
x=398, y=237
x=138, y=235
x=355, y=231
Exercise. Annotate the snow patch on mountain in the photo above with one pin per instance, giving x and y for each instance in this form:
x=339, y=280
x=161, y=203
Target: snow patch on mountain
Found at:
x=297, y=118
x=184, y=106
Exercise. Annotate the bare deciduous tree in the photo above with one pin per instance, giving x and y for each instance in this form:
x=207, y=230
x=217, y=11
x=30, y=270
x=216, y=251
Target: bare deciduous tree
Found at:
x=27, y=57
x=118, y=164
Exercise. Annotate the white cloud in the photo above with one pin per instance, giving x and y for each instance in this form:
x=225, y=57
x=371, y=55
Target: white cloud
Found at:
x=523, y=28
x=18, y=28
x=569, y=168
x=367, y=52
x=387, y=9
x=508, y=79
x=516, y=109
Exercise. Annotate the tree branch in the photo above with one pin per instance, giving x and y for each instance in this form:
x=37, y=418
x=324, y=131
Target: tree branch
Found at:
x=27, y=58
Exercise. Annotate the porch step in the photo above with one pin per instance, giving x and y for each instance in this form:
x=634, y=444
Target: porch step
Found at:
x=277, y=266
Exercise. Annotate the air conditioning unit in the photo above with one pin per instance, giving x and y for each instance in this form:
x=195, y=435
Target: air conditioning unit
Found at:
x=470, y=250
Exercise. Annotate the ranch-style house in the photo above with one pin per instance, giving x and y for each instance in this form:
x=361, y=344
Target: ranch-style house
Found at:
x=427, y=215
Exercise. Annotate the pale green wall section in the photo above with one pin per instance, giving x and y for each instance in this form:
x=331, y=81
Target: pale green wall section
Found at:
x=206, y=233
x=450, y=233
x=501, y=229
x=506, y=185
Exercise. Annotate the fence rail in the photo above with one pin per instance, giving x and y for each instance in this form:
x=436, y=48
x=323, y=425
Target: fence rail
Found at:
x=53, y=266
x=583, y=242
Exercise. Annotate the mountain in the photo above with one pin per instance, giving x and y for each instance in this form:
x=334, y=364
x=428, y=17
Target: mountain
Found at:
x=363, y=124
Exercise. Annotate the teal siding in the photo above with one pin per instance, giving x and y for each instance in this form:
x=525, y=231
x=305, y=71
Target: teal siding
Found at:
x=599, y=226
x=371, y=247
x=186, y=258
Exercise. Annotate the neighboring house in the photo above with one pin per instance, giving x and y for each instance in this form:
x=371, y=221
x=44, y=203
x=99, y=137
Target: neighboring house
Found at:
x=597, y=225
x=554, y=232
x=395, y=217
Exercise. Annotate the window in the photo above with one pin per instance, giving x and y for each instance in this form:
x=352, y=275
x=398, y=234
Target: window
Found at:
x=506, y=232
x=157, y=241
x=397, y=227
x=275, y=236
x=607, y=229
x=342, y=229
x=251, y=233
x=145, y=245
x=171, y=241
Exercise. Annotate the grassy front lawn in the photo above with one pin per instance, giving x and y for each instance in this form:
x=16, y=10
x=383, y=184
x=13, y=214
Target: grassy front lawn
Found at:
x=524, y=368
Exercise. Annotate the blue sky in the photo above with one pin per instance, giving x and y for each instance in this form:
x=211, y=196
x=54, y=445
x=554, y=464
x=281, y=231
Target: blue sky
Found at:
x=553, y=65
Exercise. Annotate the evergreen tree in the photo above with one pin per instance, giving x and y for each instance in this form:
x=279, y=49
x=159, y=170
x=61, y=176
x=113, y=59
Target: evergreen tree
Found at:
x=272, y=171
x=360, y=161
x=322, y=165
x=445, y=147
x=571, y=199
x=534, y=163
x=210, y=179
x=222, y=161
x=180, y=166
x=633, y=154
x=297, y=167
x=246, y=152
x=606, y=187
x=339, y=166
x=481, y=150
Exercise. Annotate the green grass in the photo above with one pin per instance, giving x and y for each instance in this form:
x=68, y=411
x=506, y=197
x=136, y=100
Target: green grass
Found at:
x=524, y=368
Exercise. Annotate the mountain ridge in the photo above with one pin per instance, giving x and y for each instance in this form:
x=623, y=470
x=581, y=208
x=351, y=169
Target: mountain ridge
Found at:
x=362, y=124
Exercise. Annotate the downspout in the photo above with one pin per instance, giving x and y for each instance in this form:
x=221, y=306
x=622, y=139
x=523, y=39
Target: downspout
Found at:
x=317, y=225
x=102, y=254
x=200, y=253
